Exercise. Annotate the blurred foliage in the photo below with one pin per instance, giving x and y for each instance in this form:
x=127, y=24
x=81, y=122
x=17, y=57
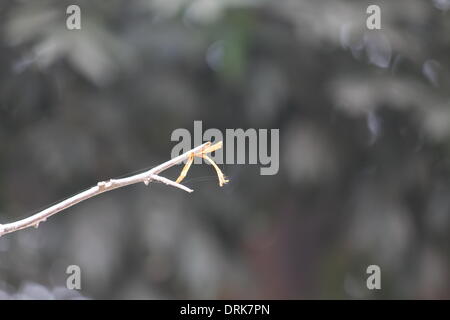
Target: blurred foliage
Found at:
x=364, y=120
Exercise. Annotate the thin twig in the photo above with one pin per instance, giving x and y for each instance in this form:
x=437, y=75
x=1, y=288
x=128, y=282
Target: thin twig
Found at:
x=101, y=187
x=169, y=183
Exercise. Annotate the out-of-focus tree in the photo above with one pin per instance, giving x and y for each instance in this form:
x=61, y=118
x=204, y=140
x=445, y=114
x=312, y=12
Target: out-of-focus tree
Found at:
x=364, y=120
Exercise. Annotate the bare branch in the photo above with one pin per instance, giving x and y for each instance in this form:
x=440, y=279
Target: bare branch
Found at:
x=101, y=187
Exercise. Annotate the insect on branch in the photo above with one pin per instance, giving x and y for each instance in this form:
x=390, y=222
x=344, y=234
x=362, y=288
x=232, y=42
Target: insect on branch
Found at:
x=104, y=186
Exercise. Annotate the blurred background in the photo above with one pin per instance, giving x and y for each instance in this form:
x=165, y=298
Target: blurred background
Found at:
x=364, y=119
